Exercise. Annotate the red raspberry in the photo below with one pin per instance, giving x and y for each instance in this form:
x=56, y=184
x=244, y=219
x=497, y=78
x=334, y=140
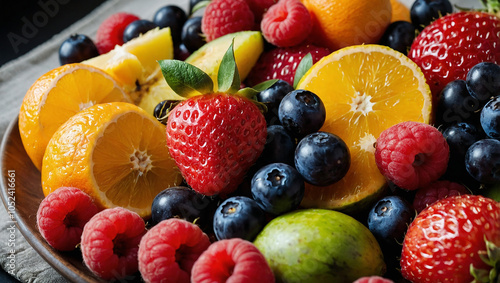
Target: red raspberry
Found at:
x=435, y=191
x=110, y=242
x=62, y=215
x=287, y=23
x=232, y=260
x=259, y=7
x=281, y=63
x=169, y=250
x=222, y=17
x=110, y=32
x=411, y=154
x=373, y=279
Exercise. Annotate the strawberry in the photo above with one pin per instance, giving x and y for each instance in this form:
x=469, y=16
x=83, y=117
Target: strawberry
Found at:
x=446, y=49
x=214, y=137
x=455, y=239
x=281, y=63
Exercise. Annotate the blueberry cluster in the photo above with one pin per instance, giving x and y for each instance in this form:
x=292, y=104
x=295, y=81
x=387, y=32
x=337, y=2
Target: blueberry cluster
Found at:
x=186, y=35
x=468, y=114
x=399, y=35
x=296, y=152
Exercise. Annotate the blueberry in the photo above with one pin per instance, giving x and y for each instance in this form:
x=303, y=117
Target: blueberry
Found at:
x=388, y=220
x=490, y=118
x=171, y=16
x=455, y=104
x=279, y=147
x=483, y=81
x=423, y=12
x=322, y=158
x=184, y=203
x=272, y=97
x=77, y=48
x=301, y=112
x=163, y=108
x=482, y=161
x=277, y=188
x=460, y=136
x=136, y=28
x=191, y=35
x=238, y=217
x=399, y=36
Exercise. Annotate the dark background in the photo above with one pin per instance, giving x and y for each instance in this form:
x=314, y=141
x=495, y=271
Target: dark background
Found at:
x=24, y=24
x=30, y=23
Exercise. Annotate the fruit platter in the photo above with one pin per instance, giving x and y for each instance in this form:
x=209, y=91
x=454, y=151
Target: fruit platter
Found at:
x=267, y=141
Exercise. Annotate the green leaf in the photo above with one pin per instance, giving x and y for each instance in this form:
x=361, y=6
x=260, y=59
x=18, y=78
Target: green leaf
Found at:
x=228, y=78
x=185, y=79
x=248, y=92
x=264, y=85
x=304, y=66
x=200, y=5
x=480, y=275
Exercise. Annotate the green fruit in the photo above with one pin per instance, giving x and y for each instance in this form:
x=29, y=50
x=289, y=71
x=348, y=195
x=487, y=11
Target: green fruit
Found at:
x=248, y=45
x=318, y=245
x=492, y=192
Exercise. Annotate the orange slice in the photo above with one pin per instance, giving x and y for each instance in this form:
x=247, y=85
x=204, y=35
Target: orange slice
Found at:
x=116, y=153
x=365, y=89
x=58, y=95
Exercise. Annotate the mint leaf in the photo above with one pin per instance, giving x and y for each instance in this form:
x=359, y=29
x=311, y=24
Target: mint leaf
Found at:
x=304, y=66
x=185, y=79
x=228, y=77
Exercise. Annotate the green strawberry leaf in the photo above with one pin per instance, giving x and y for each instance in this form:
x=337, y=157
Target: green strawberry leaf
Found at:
x=264, y=85
x=228, y=77
x=185, y=79
x=304, y=66
x=248, y=92
x=200, y=5
x=251, y=92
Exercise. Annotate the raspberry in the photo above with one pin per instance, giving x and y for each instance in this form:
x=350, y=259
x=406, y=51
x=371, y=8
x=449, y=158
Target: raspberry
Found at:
x=222, y=17
x=169, y=250
x=232, y=260
x=281, y=63
x=110, y=242
x=110, y=32
x=435, y=191
x=259, y=7
x=287, y=23
x=373, y=279
x=411, y=154
x=62, y=215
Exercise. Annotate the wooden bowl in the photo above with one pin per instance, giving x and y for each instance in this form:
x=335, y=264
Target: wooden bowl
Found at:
x=21, y=192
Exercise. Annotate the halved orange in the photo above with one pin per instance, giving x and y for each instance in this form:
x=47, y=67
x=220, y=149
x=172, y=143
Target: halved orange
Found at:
x=116, y=153
x=58, y=95
x=365, y=89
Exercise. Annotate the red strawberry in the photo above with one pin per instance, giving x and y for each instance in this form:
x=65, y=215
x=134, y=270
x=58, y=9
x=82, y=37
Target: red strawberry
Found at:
x=214, y=139
x=450, y=237
x=281, y=63
x=446, y=49
x=110, y=32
